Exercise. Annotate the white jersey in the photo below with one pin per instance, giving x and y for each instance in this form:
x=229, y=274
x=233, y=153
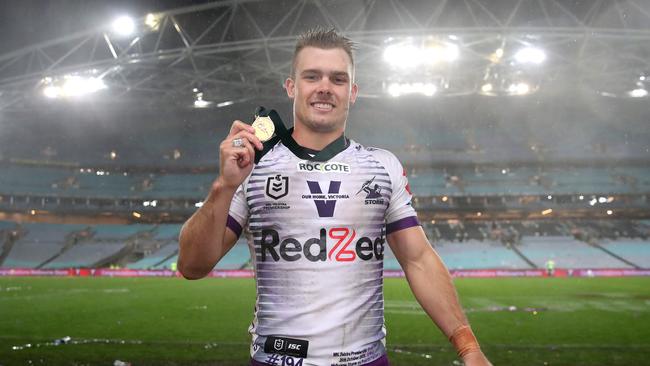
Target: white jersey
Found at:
x=317, y=233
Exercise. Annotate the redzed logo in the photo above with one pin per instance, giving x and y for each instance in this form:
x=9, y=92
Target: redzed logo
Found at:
x=344, y=254
x=315, y=249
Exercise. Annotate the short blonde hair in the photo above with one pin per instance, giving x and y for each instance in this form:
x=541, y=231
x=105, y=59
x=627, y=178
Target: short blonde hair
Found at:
x=325, y=39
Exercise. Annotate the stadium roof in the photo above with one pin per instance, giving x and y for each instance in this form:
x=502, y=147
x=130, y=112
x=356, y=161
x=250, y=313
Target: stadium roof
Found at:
x=234, y=50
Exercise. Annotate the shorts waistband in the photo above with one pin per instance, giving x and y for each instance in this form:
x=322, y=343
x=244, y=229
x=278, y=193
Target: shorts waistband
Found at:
x=381, y=361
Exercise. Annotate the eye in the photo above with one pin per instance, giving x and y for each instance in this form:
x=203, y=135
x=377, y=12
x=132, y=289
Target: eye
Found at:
x=340, y=80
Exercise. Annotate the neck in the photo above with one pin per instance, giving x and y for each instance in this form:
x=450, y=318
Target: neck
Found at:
x=314, y=140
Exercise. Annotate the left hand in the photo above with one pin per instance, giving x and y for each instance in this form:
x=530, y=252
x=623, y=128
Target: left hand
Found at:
x=476, y=359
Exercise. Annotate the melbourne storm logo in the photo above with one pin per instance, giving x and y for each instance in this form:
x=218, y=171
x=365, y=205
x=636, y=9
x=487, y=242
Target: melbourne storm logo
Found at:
x=277, y=186
x=373, y=192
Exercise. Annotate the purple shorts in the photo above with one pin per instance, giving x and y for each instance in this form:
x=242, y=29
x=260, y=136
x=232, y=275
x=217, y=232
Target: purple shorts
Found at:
x=381, y=361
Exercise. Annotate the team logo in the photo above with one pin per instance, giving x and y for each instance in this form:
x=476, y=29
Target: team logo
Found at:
x=278, y=345
x=325, y=203
x=277, y=186
x=373, y=192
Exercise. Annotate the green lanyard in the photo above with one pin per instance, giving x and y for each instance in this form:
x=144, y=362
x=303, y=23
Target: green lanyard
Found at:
x=283, y=134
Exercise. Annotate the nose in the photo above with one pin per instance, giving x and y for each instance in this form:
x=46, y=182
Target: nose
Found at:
x=324, y=86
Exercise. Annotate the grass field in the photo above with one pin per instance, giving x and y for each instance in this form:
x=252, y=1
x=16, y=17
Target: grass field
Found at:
x=170, y=321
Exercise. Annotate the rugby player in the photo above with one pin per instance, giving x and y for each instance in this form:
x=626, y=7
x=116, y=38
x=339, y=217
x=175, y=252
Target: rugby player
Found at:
x=318, y=210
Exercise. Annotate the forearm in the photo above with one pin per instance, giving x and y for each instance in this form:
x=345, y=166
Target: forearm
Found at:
x=432, y=286
x=201, y=239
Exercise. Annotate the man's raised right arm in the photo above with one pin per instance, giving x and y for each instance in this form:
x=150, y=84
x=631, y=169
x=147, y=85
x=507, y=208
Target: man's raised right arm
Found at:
x=204, y=239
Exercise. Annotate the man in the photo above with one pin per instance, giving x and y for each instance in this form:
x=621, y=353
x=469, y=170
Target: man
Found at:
x=317, y=237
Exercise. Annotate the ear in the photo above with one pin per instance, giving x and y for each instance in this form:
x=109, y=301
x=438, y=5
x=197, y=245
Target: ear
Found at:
x=353, y=93
x=290, y=85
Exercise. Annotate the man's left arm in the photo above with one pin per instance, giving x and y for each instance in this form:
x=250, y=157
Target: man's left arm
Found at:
x=432, y=286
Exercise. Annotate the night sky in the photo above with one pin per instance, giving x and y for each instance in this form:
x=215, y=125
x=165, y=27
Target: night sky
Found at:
x=27, y=22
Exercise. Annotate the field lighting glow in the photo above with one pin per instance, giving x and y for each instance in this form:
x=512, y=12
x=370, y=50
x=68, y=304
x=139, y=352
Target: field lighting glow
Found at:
x=530, y=55
x=71, y=86
x=408, y=55
x=123, y=25
x=519, y=89
x=398, y=89
x=638, y=93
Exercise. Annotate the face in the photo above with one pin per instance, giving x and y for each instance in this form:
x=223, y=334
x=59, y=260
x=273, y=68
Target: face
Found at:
x=322, y=89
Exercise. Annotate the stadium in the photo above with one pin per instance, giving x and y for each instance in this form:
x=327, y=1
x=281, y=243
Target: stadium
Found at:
x=523, y=126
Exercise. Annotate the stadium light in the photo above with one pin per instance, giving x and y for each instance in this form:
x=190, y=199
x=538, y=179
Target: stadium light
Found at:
x=225, y=104
x=402, y=56
x=136, y=214
x=152, y=21
x=407, y=55
x=530, y=55
x=609, y=212
x=638, y=93
x=399, y=89
x=547, y=211
x=123, y=26
x=519, y=89
x=71, y=86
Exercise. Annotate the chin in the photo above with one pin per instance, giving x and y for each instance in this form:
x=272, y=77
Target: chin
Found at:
x=321, y=125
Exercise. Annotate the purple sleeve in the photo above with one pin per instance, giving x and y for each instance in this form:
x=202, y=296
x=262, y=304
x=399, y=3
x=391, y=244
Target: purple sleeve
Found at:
x=401, y=224
x=234, y=226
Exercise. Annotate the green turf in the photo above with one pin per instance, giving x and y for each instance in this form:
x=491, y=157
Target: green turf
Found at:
x=594, y=321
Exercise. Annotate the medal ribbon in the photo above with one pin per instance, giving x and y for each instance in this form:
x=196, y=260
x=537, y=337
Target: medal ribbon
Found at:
x=283, y=134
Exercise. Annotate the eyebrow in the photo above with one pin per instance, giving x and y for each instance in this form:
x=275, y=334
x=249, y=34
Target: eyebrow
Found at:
x=333, y=73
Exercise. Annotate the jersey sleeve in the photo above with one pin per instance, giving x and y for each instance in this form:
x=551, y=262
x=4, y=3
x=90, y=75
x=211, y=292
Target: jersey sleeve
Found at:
x=238, y=213
x=400, y=213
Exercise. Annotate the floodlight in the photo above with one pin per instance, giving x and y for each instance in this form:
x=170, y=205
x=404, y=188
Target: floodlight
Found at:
x=123, y=25
x=225, y=104
x=638, y=93
x=530, y=55
x=402, y=55
x=200, y=103
x=518, y=89
x=153, y=21
x=51, y=91
x=398, y=89
x=407, y=55
x=74, y=86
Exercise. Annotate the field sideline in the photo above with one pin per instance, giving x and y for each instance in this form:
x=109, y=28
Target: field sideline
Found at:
x=171, y=321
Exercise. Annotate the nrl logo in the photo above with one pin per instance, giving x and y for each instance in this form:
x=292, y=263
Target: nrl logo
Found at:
x=277, y=186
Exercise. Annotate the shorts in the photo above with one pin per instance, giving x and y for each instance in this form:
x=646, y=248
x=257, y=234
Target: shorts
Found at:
x=381, y=361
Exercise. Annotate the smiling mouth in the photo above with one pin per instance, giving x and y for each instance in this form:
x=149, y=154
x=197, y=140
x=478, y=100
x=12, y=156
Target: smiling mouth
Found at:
x=323, y=106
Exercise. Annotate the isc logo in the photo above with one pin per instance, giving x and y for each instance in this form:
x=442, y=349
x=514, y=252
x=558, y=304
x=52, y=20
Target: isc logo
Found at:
x=316, y=249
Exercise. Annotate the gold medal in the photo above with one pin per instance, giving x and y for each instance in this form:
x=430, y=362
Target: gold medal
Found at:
x=264, y=128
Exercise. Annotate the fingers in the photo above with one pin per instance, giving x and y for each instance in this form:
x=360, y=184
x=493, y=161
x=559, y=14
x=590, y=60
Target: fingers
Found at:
x=247, y=158
x=239, y=127
x=244, y=153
